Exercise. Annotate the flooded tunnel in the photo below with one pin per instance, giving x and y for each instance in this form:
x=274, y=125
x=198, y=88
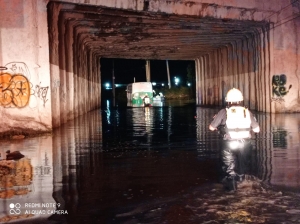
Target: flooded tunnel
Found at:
x=101, y=164
x=149, y=165
x=80, y=35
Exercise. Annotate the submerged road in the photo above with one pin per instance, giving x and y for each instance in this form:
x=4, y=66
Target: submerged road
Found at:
x=150, y=165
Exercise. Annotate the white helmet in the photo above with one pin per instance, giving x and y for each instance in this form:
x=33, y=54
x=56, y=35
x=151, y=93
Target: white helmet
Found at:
x=234, y=95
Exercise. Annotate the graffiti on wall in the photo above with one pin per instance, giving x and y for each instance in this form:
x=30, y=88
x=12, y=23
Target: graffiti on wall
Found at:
x=18, y=68
x=279, y=89
x=15, y=88
x=41, y=92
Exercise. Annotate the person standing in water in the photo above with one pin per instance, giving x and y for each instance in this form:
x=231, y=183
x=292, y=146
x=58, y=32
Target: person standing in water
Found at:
x=238, y=124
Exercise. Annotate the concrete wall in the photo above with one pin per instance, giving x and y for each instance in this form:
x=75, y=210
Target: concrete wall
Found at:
x=75, y=71
x=25, y=96
x=245, y=65
x=264, y=65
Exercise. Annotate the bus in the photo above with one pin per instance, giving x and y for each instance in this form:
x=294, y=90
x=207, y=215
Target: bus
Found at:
x=139, y=94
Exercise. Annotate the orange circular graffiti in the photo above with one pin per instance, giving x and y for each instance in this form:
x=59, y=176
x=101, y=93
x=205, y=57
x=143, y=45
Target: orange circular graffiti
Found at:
x=21, y=90
x=5, y=94
x=14, y=89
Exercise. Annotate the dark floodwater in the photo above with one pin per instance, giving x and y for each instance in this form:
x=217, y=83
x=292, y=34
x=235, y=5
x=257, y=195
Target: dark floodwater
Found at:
x=150, y=165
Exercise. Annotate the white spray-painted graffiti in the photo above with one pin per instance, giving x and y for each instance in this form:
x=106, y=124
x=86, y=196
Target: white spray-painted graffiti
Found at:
x=15, y=88
x=55, y=88
x=18, y=68
x=41, y=92
x=56, y=84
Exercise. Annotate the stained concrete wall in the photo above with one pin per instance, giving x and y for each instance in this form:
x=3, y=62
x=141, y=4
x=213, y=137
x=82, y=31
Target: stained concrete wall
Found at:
x=25, y=96
x=245, y=65
x=264, y=65
x=75, y=70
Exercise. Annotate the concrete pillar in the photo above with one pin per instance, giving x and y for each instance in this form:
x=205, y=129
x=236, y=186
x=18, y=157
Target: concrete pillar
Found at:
x=198, y=81
x=53, y=11
x=203, y=80
x=271, y=67
x=244, y=64
x=62, y=70
x=148, y=71
x=69, y=40
x=251, y=69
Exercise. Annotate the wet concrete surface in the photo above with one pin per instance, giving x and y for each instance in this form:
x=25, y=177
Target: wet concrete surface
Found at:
x=150, y=165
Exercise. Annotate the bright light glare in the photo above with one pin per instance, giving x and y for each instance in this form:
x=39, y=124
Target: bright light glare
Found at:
x=234, y=144
x=176, y=80
x=107, y=85
x=154, y=83
x=189, y=84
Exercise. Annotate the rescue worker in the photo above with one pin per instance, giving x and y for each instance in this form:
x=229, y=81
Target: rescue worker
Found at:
x=146, y=100
x=235, y=123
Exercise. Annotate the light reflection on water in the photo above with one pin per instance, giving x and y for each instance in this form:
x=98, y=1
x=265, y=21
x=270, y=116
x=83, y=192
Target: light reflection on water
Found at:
x=138, y=164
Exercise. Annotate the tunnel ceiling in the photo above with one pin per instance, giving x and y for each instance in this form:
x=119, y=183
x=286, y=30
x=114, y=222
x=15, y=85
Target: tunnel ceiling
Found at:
x=115, y=33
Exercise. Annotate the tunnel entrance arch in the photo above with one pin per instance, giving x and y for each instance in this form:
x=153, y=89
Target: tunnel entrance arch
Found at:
x=225, y=50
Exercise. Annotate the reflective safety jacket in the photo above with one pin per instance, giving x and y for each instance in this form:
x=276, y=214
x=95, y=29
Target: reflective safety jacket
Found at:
x=238, y=122
x=146, y=100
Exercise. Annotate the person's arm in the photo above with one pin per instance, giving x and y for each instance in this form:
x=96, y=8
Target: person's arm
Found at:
x=256, y=130
x=212, y=128
x=254, y=124
x=217, y=120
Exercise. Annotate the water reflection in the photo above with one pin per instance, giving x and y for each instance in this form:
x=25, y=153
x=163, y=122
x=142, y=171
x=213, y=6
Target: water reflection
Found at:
x=16, y=177
x=147, y=165
x=284, y=153
x=27, y=181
